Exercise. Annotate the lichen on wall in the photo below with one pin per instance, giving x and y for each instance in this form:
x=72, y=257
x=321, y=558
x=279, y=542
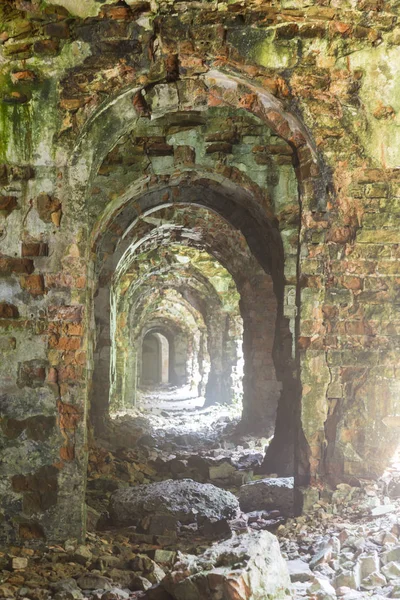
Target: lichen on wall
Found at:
x=284, y=112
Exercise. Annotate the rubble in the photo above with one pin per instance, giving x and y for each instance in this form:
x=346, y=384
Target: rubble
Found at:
x=249, y=567
x=339, y=550
x=267, y=494
x=159, y=508
x=168, y=537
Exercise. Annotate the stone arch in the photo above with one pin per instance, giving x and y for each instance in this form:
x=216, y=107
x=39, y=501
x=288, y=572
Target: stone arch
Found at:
x=227, y=205
x=169, y=335
x=312, y=181
x=174, y=333
x=116, y=115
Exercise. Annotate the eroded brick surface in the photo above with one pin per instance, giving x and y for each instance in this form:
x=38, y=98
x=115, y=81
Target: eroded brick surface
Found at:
x=281, y=115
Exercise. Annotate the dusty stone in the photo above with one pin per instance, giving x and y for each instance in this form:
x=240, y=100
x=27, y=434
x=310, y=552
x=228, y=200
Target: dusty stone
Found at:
x=373, y=580
x=185, y=500
x=166, y=557
x=18, y=563
x=323, y=587
x=268, y=494
x=385, y=509
x=92, y=581
x=299, y=570
x=391, y=555
x=69, y=588
x=82, y=555
x=323, y=555
x=153, y=572
x=367, y=564
x=223, y=471
x=139, y=583
x=347, y=578
x=391, y=570
x=258, y=570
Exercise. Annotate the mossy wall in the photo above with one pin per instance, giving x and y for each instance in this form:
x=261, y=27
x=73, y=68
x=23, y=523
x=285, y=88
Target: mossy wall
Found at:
x=75, y=79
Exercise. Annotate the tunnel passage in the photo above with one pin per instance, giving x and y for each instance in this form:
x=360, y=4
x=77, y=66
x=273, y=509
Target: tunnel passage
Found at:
x=86, y=134
x=169, y=256
x=247, y=221
x=182, y=285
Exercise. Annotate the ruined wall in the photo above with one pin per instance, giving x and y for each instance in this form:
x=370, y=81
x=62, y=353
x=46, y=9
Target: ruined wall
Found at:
x=320, y=75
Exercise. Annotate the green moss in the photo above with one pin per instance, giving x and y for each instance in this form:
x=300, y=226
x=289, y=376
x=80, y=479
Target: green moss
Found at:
x=15, y=133
x=380, y=87
x=80, y=8
x=259, y=46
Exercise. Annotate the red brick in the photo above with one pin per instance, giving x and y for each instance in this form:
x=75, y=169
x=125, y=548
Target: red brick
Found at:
x=67, y=453
x=34, y=284
x=71, y=313
x=23, y=76
x=69, y=373
x=68, y=343
x=8, y=204
x=74, y=329
x=30, y=249
x=8, y=311
x=9, y=265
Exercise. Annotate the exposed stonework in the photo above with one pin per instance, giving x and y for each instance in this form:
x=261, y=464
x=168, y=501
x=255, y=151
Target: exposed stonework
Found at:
x=279, y=117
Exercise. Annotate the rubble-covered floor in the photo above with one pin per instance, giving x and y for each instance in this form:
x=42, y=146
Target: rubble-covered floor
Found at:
x=347, y=547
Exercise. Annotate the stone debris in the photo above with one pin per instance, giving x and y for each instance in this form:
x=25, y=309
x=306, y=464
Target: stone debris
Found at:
x=344, y=548
x=218, y=456
x=299, y=570
x=159, y=508
x=249, y=563
x=174, y=538
x=19, y=563
x=267, y=494
x=340, y=550
x=248, y=566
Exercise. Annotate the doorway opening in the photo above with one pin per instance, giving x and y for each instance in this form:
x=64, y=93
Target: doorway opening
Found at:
x=155, y=359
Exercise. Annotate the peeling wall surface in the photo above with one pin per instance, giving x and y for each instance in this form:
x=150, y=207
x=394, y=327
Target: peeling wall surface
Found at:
x=265, y=133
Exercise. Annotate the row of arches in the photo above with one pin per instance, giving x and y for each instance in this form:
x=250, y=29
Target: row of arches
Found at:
x=270, y=201
x=221, y=204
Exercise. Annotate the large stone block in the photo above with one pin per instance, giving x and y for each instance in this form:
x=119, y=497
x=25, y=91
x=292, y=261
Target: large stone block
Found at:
x=268, y=494
x=245, y=567
x=159, y=506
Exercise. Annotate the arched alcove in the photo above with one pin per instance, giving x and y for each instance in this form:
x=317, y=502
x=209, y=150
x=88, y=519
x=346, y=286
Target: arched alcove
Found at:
x=154, y=359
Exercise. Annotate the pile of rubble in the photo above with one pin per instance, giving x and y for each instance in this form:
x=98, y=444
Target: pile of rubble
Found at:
x=223, y=552
x=348, y=547
x=176, y=515
x=152, y=454
x=112, y=568
x=183, y=540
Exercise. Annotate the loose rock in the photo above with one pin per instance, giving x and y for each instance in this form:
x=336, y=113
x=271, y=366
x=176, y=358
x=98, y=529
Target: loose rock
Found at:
x=268, y=494
x=249, y=567
x=159, y=507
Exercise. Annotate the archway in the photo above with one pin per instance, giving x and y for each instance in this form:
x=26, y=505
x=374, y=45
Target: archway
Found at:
x=245, y=206
x=154, y=359
x=251, y=289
